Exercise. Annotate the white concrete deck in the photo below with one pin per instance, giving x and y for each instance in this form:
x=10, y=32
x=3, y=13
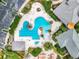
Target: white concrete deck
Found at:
x=30, y=17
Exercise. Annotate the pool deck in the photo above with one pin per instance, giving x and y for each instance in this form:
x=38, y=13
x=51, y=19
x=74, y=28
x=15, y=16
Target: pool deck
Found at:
x=30, y=17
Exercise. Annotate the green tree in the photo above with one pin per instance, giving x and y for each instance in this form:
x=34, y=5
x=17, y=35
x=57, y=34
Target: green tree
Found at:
x=48, y=46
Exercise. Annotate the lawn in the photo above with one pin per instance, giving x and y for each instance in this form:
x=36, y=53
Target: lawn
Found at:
x=61, y=51
x=77, y=27
x=36, y=51
x=27, y=7
x=47, y=6
x=61, y=30
x=14, y=25
x=1, y=54
x=9, y=54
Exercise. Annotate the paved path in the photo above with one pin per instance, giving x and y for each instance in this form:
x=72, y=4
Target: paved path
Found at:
x=26, y=1
x=56, y=2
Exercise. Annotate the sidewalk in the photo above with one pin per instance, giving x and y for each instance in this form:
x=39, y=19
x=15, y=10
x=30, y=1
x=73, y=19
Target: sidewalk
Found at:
x=56, y=2
x=26, y=1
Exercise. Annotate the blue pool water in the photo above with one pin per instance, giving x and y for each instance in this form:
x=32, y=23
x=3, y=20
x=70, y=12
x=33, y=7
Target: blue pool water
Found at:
x=39, y=22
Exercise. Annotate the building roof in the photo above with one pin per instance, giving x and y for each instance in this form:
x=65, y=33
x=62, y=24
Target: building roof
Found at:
x=20, y=3
x=6, y=17
x=72, y=49
x=63, y=38
x=68, y=11
x=70, y=40
x=2, y=39
x=4, y=13
x=5, y=20
x=11, y=7
x=18, y=46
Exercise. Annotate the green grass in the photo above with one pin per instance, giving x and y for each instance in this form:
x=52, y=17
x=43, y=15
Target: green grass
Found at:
x=27, y=8
x=56, y=34
x=47, y=6
x=14, y=25
x=61, y=30
x=1, y=54
x=36, y=51
x=77, y=27
x=61, y=51
x=68, y=57
x=12, y=54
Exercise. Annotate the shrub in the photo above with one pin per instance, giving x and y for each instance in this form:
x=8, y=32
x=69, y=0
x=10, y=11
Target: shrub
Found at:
x=48, y=46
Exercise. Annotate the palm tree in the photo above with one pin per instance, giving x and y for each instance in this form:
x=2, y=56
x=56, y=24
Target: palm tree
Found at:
x=49, y=31
x=30, y=26
x=41, y=28
x=42, y=35
x=51, y=22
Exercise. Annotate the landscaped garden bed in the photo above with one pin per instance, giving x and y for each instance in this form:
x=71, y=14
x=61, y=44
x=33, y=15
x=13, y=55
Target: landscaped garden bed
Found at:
x=14, y=24
x=35, y=51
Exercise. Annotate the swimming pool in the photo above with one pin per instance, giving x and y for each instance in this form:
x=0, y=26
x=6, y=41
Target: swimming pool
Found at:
x=39, y=22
